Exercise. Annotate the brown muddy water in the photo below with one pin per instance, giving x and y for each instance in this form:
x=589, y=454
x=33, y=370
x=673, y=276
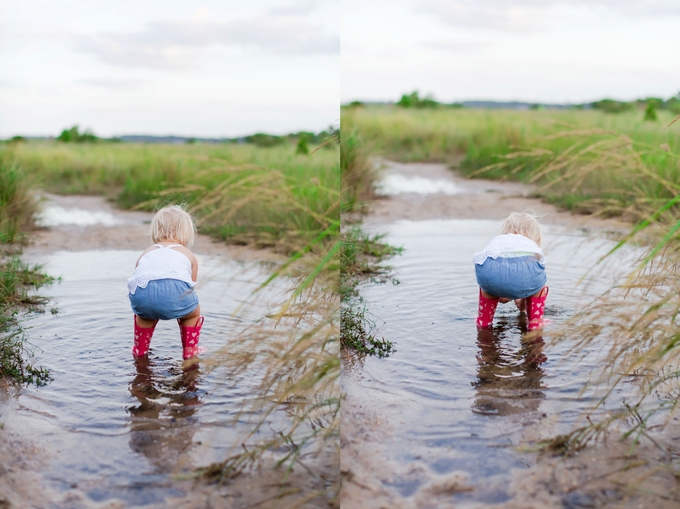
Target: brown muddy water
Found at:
x=441, y=419
x=113, y=428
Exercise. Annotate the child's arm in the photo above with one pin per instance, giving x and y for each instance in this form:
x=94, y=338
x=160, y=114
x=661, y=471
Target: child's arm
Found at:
x=194, y=267
x=194, y=264
x=192, y=258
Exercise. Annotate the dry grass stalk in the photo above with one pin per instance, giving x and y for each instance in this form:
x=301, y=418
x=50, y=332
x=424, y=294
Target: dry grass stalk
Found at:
x=636, y=321
x=602, y=173
x=294, y=353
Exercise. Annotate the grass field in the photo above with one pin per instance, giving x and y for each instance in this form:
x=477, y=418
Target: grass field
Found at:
x=584, y=160
x=268, y=197
x=481, y=135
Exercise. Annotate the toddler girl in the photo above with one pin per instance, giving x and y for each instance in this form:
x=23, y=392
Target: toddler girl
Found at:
x=512, y=266
x=162, y=285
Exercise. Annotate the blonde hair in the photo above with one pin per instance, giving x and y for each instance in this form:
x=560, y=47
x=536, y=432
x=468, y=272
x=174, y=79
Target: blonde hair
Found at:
x=173, y=223
x=522, y=223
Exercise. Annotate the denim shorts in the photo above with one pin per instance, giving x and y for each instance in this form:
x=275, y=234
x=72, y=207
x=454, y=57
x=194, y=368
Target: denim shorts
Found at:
x=164, y=299
x=512, y=278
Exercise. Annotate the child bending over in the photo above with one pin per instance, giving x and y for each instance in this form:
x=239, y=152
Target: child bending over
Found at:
x=162, y=284
x=512, y=267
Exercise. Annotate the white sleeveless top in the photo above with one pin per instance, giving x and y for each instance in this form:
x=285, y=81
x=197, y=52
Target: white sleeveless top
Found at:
x=161, y=263
x=509, y=245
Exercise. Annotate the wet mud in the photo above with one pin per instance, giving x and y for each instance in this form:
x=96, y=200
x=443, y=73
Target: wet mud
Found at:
x=453, y=418
x=112, y=431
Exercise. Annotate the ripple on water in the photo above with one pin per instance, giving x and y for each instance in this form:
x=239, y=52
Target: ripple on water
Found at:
x=116, y=427
x=457, y=399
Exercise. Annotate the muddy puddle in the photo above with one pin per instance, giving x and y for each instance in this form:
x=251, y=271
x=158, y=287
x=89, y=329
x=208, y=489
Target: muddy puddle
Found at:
x=439, y=421
x=114, y=429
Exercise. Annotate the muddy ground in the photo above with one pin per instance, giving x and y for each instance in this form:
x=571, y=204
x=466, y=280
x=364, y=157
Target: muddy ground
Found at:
x=119, y=229
x=606, y=475
x=475, y=199
x=21, y=484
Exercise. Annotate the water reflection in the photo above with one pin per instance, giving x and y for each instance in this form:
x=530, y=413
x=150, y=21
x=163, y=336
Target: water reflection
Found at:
x=509, y=376
x=395, y=183
x=163, y=425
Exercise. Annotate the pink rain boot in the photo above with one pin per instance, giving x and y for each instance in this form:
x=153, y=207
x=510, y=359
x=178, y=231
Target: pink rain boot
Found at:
x=535, y=309
x=487, y=308
x=190, y=336
x=142, y=339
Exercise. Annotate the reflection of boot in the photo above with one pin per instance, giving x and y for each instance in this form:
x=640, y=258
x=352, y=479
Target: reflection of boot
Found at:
x=486, y=310
x=535, y=309
x=142, y=385
x=190, y=337
x=535, y=353
x=142, y=339
x=188, y=382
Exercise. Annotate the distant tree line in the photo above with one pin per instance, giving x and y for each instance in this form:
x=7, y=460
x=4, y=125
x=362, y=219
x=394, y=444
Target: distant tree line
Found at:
x=73, y=135
x=302, y=139
x=414, y=100
x=650, y=105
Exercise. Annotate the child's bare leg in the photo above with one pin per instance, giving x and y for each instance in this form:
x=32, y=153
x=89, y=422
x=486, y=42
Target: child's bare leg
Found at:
x=542, y=292
x=145, y=323
x=502, y=300
x=191, y=319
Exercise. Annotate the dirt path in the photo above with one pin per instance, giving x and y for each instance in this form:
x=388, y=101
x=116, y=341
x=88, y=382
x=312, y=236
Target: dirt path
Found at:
x=87, y=223
x=83, y=223
x=468, y=199
x=603, y=476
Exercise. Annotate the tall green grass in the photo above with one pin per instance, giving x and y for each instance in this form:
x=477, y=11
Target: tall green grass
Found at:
x=480, y=136
x=361, y=254
x=17, y=203
x=16, y=282
x=356, y=169
x=584, y=161
x=223, y=184
x=17, y=206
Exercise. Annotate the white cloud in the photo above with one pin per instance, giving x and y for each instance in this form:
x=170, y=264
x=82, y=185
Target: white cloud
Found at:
x=178, y=45
x=518, y=15
x=114, y=83
x=458, y=46
x=534, y=15
x=651, y=8
x=298, y=7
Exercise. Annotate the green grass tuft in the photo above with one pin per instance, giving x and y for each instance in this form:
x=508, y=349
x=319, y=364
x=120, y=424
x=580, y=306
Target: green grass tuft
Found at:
x=16, y=281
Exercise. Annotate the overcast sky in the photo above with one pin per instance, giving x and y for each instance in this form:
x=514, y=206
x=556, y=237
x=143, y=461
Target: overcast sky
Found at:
x=207, y=68
x=532, y=50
